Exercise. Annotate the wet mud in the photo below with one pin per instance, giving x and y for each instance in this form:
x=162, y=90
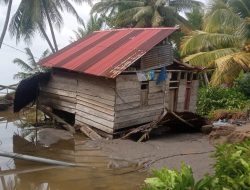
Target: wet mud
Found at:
x=106, y=164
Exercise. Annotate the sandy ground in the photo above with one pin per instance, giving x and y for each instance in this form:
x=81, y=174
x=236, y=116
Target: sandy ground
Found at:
x=168, y=151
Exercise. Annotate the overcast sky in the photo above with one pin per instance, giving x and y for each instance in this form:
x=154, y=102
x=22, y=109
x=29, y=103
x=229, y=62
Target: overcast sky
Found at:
x=7, y=54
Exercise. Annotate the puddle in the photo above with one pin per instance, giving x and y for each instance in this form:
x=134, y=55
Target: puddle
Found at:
x=96, y=171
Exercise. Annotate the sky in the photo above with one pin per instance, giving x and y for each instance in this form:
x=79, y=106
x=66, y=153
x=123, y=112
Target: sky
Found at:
x=38, y=45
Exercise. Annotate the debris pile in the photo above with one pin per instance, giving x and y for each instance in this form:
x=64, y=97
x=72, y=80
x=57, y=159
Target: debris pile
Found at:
x=182, y=121
x=229, y=134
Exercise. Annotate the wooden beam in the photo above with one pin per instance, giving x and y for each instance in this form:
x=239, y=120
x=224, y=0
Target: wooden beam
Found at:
x=89, y=132
x=66, y=125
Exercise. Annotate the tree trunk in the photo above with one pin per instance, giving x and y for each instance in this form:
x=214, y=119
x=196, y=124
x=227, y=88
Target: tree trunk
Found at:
x=6, y=23
x=50, y=26
x=47, y=38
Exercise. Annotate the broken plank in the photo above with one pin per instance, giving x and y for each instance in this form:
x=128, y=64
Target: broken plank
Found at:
x=89, y=132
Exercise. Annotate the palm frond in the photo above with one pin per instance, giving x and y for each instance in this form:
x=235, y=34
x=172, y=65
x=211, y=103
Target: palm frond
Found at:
x=182, y=5
x=125, y=18
x=204, y=41
x=207, y=59
x=45, y=54
x=241, y=7
x=21, y=75
x=25, y=66
x=226, y=71
x=156, y=19
x=146, y=11
x=31, y=57
x=229, y=67
x=222, y=21
x=70, y=9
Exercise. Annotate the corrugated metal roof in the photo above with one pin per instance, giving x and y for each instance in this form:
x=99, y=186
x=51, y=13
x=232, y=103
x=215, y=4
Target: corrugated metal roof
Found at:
x=107, y=53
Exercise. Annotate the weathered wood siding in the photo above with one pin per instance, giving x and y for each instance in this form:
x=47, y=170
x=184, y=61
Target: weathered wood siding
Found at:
x=129, y=109
x=60, y=92
x=181, y=95
x=159, y=55
x=95, y=102
x=194, y=96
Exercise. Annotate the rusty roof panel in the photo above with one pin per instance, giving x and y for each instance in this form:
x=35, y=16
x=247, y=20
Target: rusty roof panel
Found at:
x=107, y=53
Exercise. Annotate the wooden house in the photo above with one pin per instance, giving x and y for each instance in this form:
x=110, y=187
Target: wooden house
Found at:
x=115, y=79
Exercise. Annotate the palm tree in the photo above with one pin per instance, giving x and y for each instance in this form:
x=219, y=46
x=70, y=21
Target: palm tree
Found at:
x=224, y=42
x=7, y=18
x=145, y=13
x=30, y=67
x=195, y=17
x=93, y=24
x=32, y=16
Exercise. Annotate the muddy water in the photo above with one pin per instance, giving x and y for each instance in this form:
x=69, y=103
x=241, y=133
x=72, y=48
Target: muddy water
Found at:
x=95, y=171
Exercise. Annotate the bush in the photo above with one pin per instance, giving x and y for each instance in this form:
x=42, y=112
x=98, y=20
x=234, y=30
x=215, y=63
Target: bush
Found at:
x=213, y=98
x=232, y=172
x=170, y=179
x=243, y=84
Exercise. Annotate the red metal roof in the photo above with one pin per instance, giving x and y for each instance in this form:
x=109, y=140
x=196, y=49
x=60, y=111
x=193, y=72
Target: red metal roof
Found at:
x=107, y=53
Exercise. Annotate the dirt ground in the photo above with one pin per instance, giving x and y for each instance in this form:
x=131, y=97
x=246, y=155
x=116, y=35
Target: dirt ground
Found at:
x=166, y=151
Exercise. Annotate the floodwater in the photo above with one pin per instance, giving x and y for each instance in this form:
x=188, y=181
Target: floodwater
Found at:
x=95, y=171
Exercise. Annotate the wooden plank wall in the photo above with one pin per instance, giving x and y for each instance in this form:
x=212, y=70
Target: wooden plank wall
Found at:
x=181, y=95
x=194, y=96
x=158, y=55
x=95, y=102
x=128, y=109
x=60, y=92
x=167, y=92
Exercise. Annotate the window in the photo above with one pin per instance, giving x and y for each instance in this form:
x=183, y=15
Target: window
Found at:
x=174, y=76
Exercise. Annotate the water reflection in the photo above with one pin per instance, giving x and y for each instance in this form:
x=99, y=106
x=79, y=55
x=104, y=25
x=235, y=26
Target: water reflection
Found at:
x=94, y=172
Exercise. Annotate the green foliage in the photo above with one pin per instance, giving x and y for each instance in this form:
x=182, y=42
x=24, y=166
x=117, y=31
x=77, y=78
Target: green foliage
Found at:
x=195, y=17
x=222, y=44
x=243, y=84
x=232, y=172
x=145, y=13
x=232, y=167
x=171, y=179
x=31, y=66
x=213, y=98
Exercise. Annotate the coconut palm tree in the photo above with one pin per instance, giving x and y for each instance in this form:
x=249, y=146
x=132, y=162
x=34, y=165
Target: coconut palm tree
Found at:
x=93, y=24
x=224, y=43
x=145, y=13
x=195, y=17
x=7, y=18
x=30, y=67
x=33, y=16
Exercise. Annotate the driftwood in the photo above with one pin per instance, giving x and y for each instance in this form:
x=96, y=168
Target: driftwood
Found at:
x=35, y=159
x=152, y=126
x=66, y=125
x=161, y=120
x=89, y=132
x=146, y=128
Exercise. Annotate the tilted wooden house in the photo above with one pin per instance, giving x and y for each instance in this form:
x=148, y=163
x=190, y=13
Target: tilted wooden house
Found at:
x=115, y=79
